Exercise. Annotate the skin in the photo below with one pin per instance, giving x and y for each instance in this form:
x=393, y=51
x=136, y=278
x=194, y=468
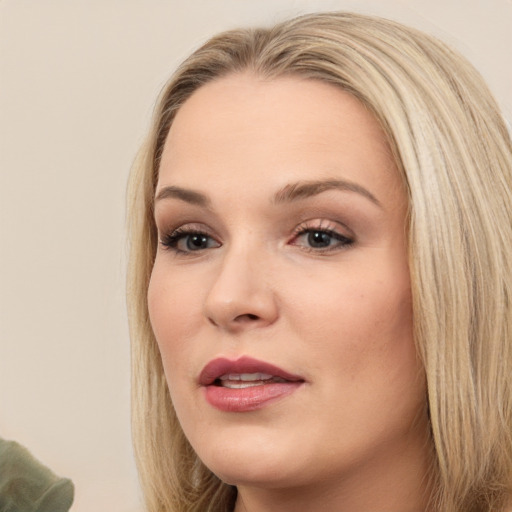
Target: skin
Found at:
x=354, y=436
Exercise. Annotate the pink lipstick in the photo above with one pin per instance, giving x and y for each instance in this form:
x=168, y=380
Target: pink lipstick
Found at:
x=245, y=384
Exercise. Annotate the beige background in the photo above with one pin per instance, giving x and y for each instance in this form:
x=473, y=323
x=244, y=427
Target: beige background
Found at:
x=78, y=79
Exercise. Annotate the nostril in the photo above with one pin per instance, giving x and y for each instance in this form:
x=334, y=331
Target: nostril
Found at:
x=247, y=316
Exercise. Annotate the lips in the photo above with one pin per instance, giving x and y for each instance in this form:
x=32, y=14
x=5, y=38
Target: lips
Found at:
x=217, y=368
x=245, y=384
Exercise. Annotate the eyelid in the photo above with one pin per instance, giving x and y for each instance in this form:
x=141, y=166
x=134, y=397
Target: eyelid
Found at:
x=322, y=224
x=195, y=227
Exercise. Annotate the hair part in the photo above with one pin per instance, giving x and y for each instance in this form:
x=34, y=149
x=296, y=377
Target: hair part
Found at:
x=455, y=156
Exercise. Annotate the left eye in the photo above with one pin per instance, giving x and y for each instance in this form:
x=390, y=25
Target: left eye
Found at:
x=321, y=239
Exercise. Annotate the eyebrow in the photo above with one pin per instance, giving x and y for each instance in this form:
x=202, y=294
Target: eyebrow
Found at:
x=304, y=189
x=289, y=193
x=185, y=194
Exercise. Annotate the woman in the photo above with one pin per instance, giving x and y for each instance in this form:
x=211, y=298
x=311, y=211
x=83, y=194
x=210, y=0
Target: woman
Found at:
x=320, y=281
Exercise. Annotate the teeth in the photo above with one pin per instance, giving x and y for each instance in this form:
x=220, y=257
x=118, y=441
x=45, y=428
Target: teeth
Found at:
x=239, y=385
x=247, y=380
x=246, y=377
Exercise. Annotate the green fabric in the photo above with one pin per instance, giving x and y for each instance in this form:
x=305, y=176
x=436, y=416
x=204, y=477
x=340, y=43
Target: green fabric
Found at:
x=28, y=486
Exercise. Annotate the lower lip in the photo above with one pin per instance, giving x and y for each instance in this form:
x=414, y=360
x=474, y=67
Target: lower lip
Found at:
x=248, y=399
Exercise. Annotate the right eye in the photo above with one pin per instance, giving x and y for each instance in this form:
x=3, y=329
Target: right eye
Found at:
x=185, y=240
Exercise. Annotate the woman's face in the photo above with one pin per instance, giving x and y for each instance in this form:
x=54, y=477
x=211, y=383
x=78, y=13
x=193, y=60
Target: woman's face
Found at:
x=280, y=296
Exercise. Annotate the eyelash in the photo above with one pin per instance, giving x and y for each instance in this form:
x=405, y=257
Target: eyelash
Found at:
x=307, y=228
x=170, y=241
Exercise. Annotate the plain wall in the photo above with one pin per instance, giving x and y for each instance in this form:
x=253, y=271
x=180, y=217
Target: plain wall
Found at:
x=78, y=79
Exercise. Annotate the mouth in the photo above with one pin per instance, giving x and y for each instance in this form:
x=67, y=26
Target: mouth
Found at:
x=245, y=384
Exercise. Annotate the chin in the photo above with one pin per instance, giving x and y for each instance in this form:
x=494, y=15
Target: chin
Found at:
x=250, y=461
x=262, y=474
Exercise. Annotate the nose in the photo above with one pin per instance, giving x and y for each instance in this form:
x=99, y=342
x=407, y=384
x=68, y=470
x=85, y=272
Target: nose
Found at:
x=241, y=296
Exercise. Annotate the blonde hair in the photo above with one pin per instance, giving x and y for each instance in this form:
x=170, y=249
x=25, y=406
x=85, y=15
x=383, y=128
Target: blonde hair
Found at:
x=453, y=150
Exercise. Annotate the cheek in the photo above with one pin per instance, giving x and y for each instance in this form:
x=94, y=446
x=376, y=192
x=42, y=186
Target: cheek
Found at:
x=364, y=324
x=172, y=307
x=172, y=311
x=356, y=304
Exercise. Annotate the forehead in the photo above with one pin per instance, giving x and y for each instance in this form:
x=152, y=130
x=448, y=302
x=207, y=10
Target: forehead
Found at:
x=243, y=127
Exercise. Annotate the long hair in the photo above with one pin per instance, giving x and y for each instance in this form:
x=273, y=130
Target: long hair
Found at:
x=455, y=157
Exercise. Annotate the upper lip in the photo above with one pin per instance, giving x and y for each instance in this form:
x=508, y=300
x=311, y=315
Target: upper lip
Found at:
x=221, y=366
